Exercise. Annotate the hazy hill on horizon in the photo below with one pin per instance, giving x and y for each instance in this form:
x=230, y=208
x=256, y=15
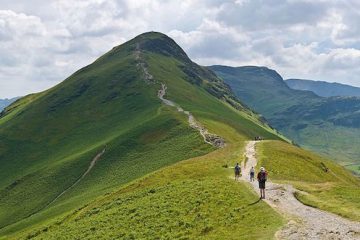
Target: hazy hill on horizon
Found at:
x=6, y=102
x=324, y=89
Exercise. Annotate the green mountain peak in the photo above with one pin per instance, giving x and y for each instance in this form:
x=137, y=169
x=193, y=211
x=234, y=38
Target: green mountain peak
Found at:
x=101, y=154
x=49, y=140
x=152, y=42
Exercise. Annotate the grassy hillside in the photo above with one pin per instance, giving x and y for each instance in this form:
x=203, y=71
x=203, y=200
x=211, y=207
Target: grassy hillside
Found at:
x=198, y=198
x=193, y=199
x=329, y=126
x=49, y=139
x=325, y=184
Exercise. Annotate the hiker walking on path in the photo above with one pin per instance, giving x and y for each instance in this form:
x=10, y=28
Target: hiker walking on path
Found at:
x=237, y=171
x=252, y=174
x=262, y=177
x=305, y=222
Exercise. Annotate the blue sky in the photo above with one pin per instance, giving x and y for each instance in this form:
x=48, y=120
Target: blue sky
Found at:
x=43, y=42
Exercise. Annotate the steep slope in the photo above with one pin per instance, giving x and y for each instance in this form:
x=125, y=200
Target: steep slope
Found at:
x=261, y=88
x=324, y=89
x=6, y=102
x=329, y=126
x=53, y=139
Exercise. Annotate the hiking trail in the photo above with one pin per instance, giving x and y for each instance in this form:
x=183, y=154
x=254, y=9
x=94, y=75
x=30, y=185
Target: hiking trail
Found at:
x=92, y=164
x=304, y=222
x=142, y=65
x=209, y=138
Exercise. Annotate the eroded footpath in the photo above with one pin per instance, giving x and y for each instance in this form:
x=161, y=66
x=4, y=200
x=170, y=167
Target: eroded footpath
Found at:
x=304, y=222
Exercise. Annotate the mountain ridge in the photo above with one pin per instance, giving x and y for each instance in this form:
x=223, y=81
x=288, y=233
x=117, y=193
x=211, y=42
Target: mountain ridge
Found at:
x=326, y=125
x=323, y=88
x=49, y=139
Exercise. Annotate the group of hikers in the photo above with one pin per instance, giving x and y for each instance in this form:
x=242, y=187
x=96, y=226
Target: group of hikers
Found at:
x=261, y=177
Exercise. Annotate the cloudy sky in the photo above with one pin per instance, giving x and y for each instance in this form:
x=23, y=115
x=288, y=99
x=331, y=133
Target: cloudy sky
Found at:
x=42, y=42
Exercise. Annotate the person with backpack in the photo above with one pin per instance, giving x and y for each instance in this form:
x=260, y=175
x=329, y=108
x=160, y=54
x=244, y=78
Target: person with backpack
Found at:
x=262, y=177
x=237, y=171
x=252, y=174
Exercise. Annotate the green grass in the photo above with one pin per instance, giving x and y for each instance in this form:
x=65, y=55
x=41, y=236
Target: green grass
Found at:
x=355, y=168
x=119, y=165
x=335, y=190
x=49, y=139
x=193, y=199
x=204, y=106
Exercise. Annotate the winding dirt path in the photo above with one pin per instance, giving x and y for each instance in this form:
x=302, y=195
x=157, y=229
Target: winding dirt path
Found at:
x=209, y=138
x=304, y=222
x=142, y=65
x=92, y=164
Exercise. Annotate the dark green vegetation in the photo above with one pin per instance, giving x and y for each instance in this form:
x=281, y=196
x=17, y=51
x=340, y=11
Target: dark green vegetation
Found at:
x=6, y=102
x=325, y=184
x=49, y=139
x=324, y=89
x=329, y=126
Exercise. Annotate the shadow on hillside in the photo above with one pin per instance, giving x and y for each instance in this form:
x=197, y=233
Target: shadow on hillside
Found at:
x=254, y=202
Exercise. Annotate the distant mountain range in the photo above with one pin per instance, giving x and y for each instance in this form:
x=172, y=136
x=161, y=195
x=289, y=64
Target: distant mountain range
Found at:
x=6, y=102
x=330, y=126
x=324, y=89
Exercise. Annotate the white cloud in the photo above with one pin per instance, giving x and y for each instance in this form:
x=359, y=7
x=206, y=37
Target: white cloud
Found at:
x=42, y=42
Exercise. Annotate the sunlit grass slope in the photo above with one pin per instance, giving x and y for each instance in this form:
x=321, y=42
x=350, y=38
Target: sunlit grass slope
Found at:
x=193, y=199
x=325, y=184
x=49, y=139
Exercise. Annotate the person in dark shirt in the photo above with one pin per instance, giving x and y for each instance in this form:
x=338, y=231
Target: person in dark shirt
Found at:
x=262, y=177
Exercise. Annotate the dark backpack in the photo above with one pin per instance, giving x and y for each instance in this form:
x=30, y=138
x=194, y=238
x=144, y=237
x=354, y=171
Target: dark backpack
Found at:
x=262, y=176
x=237, y=168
